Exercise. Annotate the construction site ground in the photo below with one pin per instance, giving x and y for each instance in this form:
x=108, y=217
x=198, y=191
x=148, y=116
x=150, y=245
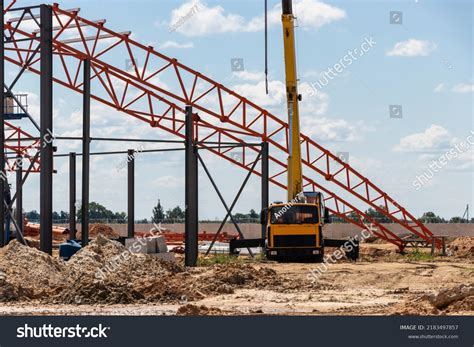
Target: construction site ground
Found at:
x=381, y=282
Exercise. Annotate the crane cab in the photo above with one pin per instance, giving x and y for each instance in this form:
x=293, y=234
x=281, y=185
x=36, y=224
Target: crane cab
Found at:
x=294, y=229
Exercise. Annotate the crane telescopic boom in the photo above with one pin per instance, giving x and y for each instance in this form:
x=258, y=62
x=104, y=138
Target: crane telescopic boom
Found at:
x=295, y=176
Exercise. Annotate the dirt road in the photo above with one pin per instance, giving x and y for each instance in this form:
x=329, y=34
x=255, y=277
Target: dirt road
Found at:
x=344, y=289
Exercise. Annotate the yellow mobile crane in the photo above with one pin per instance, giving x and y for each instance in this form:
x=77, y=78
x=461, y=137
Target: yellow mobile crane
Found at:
x=294, y=229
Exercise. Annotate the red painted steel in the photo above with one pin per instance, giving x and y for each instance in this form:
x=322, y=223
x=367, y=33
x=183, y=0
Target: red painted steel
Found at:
x=223, y=114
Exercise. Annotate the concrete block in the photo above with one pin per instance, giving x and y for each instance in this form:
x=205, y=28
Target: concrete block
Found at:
x=161, y=246
x=141, y=245
x=168, y=256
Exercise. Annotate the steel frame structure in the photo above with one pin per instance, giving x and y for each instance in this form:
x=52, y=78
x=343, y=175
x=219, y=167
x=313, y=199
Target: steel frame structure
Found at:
x=224, y=115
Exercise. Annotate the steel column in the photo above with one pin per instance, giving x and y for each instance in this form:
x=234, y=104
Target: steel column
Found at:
x=19, y=196
x=72, y=196
x=86, y=142
x=46, y=130
x=2, y=129
x=265, y=180
x=131, y=193
x=191, y=193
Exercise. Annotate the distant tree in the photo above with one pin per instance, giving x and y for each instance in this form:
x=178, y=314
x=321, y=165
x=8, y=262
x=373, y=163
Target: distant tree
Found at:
x=175, y=213
x=253, y=214
x=158, y=213
x=100, y=212
x=457, y=220
x=430, y=217
x=33, y=215
x=240, y=216
x=377, y=215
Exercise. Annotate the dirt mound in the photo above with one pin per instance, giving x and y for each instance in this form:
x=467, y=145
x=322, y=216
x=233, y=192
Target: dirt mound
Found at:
x=104, y=272
x=224, y=278
x=457, y=300
x=27, y=273
x=193, y=310
x=100, y=229
x=371, y=253
x=462, y=247
x=448, y=296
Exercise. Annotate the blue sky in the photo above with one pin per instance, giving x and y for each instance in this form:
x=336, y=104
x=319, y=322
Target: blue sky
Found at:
x=423, y=65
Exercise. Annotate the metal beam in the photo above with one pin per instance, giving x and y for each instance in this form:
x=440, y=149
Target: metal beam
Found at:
x=19, y=196
x=2, y=129
x=72, y=196
x=131, y=193
x=86, y=142
x=191, y=193
x=265, y=180
x=46, y=131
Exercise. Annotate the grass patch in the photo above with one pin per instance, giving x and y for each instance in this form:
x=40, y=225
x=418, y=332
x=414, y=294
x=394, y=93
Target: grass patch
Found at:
x=224, y=258
x=418, y=255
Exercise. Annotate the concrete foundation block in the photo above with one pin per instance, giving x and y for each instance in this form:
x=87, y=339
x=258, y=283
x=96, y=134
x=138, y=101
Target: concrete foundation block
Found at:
x=141, y=245
x=161, y=246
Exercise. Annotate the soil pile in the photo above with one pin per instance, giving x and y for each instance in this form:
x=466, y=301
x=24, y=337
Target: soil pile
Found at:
x=104, y=272
x=100, y=229
x=371, y=253
x=462, y=247
x=458, y=300
x=224, y=278
x=27, y=273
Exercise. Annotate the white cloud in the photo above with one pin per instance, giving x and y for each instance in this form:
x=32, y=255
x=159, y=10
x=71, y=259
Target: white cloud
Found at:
x=196, y=18
x=314, y=14
x=463, y=88
x=328, y=129
x=169, y=182
x=458, y=88
x=441, y=87
x=412, y=48
x=433, y=138
x=249, y=75
x=256, y=93
x=177, y=45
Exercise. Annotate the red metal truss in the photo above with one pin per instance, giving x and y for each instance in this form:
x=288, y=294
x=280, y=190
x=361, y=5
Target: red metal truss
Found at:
x=141, y=93
x=18, y=141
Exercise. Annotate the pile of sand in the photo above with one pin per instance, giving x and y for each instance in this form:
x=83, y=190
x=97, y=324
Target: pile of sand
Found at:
x=104, y=272
x=27, y=273
x=100, y=229
x=462, y=247
x=458, y=300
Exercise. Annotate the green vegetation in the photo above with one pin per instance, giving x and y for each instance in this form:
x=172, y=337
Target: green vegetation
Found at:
x=418, y=255
x=219, y=258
